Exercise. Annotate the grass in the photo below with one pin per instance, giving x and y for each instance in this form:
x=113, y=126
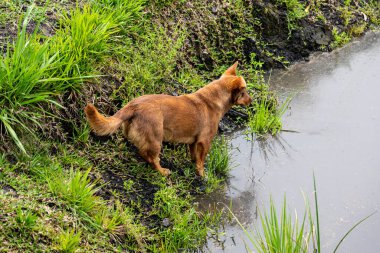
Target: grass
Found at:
x=74, y=212
x=186, y=228
x=83, y=39
x=148, y=68
x=27, y=78
x=33, y=74
x=68, y=241
x=74, y=192
x=340, y=38
x=279, y=233
x=26, y=220
x=77, y=190
x=265, y=115
x=295, y=11
x=218, y=163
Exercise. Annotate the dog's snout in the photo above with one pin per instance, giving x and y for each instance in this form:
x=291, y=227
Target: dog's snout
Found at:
x=250, y=100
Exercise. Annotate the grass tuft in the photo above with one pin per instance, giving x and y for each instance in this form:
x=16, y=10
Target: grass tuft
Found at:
x=68, y=241
x=265, y=115
x=77, y=190
x=26, y=220
x=279, y=233
x=186, y=229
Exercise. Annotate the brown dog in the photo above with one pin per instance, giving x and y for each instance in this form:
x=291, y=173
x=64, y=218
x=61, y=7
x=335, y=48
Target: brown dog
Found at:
x=192, y=118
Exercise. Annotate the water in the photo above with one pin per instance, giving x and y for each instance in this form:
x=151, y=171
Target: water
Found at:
x=335, y=114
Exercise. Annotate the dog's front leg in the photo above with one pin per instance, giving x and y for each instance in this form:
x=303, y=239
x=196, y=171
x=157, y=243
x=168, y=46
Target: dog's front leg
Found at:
x=201, y=149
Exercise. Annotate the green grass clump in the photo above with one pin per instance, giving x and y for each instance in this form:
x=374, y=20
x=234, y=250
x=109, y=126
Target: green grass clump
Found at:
x=295, y=11
x=68, y=241
x=125, y=14
x=282, y=234
x=77, y=190
x=186, y=228
x=26, y=220
x=279, y=233
x=340, y=38
x=28, y=77
x=218, y=163
x=83, y=39
x=265, y=115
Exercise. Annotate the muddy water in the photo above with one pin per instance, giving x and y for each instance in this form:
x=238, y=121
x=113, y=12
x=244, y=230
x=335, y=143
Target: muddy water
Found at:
x=335, y=132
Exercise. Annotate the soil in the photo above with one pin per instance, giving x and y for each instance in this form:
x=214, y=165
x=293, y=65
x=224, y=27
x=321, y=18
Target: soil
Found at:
x=213, y=27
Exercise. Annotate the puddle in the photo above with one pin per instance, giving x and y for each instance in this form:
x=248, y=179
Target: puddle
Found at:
x=336, y=116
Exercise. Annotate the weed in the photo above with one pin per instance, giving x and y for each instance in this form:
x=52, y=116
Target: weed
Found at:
x=68, y=241
x=265, y=115
x=82, y=133
x=346, y=15
x=357, y=29
x=167, y=203
x=295, y=12
x=77, y=190
x=149, y=69
x=282, y=234
x=26, y=220
x=372, y=10
x=28, y=77
x=83, y=39
x=186, y=227
x=187, y=232
x=340, y=39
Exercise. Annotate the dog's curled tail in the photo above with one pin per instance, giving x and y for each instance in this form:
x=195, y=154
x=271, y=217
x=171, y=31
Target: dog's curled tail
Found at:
x=102, y=125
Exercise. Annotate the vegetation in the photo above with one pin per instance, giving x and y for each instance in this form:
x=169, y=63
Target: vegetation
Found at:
x=295, y=11
x=63, y=189
x=280, y=234
x=265, y=115
x=340, y=39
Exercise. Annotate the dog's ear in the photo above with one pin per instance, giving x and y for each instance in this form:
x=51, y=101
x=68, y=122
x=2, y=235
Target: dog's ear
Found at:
x=231, y=71
x=239, y=83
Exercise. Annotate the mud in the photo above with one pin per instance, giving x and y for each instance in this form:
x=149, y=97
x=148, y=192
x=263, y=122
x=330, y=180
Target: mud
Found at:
x=221, y=32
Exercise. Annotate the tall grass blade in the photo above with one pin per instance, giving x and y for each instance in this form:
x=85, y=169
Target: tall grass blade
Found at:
x=12, y=132
x=317, y=215
x=349, y=231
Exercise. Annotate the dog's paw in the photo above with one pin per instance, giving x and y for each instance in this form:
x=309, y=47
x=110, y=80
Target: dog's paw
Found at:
x=201, y=173
x=165, y=172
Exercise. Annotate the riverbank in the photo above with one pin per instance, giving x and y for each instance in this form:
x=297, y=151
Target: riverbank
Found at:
x=65, y=189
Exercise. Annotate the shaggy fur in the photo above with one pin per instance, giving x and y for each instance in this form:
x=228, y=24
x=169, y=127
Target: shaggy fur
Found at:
x=193, y=119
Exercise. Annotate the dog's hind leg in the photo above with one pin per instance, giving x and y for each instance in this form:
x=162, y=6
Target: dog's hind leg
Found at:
x=151, y=155
x=147, y=139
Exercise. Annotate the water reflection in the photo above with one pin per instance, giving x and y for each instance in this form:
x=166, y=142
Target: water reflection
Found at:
x=333, y=130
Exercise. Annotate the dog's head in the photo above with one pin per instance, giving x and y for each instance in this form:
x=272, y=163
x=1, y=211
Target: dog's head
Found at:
x=236, y=85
